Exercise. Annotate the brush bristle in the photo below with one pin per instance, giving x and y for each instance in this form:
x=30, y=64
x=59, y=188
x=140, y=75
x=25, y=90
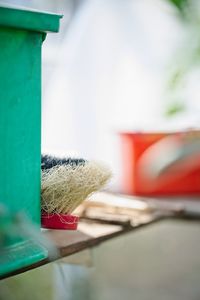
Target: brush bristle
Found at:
x=48, y=162
x=65, y=186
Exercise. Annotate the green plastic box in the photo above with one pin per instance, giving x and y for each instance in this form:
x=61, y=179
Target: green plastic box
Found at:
x=22, y=33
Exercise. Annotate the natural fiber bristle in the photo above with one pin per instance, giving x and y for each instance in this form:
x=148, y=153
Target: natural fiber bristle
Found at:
x=65, y=186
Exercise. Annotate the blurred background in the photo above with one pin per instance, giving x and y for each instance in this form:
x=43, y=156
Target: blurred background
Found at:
x=119, y=66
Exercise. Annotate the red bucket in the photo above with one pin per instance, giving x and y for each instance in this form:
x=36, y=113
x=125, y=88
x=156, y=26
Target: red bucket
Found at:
x=134, y=145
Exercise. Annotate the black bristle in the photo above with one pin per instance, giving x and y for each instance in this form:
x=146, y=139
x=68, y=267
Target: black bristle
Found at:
x=48, y=162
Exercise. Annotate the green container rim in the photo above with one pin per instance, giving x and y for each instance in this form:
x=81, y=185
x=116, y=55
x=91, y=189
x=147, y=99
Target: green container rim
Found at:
x=23, y=18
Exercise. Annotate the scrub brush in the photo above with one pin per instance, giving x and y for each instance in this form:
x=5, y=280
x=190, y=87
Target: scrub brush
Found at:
x=66, y=183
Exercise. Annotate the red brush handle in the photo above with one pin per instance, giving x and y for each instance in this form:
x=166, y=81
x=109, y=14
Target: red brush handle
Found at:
x=59, y=221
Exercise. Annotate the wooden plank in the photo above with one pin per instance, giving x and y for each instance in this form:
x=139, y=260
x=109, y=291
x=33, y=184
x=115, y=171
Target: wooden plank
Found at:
x=90, y=234
x=107, y=216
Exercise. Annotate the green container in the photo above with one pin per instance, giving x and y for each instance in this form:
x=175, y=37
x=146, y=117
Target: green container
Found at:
x=21, y=35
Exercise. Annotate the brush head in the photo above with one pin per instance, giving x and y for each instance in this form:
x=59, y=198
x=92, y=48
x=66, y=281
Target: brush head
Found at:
x=67, y=182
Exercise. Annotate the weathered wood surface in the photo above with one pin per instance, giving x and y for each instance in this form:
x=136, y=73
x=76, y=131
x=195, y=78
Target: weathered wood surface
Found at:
x=111, y=215
x=89, y=234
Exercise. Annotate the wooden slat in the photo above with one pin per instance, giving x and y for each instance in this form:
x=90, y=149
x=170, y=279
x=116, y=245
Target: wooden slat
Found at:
x=108, y=216
x=90, y=234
